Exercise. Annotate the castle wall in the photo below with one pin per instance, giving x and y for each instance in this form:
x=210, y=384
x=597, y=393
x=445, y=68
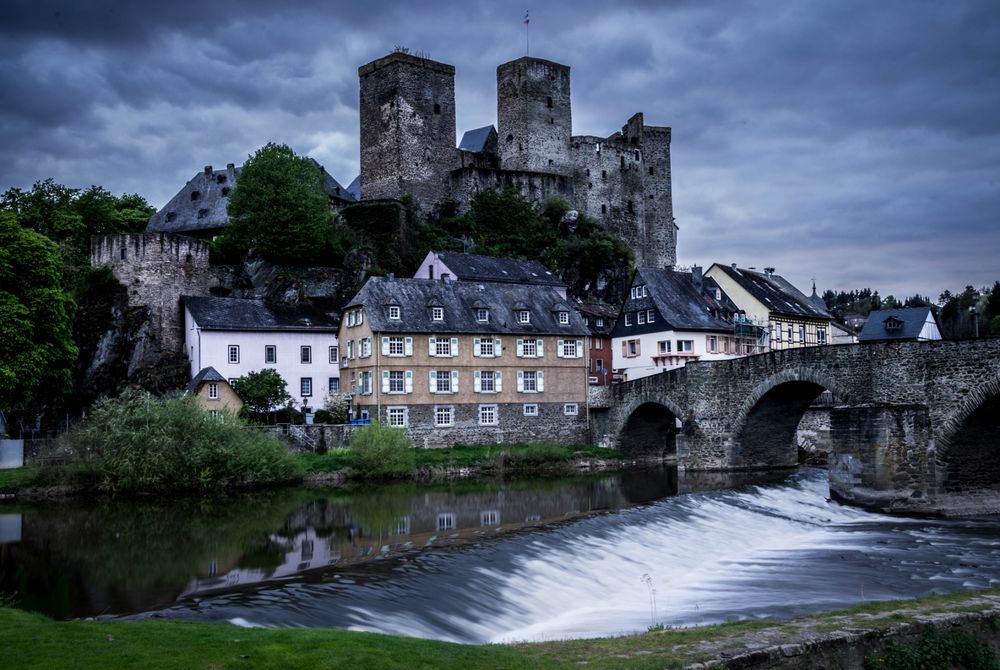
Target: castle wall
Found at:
x=534, y=116
x=157, y=269
x=407, y=128
x=537, y=186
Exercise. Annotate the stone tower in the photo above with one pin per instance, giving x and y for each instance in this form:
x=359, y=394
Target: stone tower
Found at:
x=534, y=118
x=407, y=128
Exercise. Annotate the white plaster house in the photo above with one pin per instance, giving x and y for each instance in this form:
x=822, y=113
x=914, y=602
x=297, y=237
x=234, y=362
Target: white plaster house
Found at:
x=236, y=336
x=457, y=266
x=670, y=319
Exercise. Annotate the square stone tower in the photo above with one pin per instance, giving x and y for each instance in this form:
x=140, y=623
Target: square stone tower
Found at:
x=534, y=117
x=407, y=128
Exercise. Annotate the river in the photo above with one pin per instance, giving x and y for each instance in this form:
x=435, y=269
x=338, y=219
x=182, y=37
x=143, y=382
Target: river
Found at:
x=475, y=562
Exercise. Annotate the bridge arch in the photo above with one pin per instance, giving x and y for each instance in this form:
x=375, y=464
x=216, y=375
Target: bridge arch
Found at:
x=967, y=453
x=764, y=426
x=649, y=426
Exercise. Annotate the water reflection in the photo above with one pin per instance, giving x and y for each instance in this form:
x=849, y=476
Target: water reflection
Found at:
x=117, y=557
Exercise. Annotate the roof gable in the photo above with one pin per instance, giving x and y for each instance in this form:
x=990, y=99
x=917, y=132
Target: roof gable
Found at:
x=253, y=315
x=681, y=304
x=775, y=292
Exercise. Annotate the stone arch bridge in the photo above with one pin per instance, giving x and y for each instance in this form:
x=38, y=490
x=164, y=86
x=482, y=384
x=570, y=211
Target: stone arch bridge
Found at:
x=916, y=426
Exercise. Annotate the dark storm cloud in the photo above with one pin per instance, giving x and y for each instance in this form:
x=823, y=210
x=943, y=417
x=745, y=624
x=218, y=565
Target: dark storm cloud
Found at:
x=855, y=142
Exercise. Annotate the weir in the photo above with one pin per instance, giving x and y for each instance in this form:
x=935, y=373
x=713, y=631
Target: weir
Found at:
x=915, y=427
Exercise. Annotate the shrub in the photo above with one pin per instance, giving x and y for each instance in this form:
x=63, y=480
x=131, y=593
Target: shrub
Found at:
x=322, y=416
x=378, y=450
x=137, y=442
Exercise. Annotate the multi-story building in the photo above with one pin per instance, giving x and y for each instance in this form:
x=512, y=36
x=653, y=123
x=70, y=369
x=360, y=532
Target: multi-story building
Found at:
x=236, y=336
x=466, y=362
x=600, y=320
x=789, y=317
x=671, y=318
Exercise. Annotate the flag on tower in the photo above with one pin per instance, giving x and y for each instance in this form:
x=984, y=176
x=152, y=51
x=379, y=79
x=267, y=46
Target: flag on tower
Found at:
x=526, y=19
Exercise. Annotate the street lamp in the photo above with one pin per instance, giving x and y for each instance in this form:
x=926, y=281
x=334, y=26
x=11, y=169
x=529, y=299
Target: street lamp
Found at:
x=975, y=321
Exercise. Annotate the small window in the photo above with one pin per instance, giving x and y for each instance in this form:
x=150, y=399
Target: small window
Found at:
x=333, y=385
x=123, y=253
x=225, y=191
x=270, y=354
x=397, y=381
x=604, y=174
x=523, y=316
x=213, y=391
x=623, y=163
x=195, y=195
x=664, y=346
x=446, y=521
x=571, y=409
x=685, y=346
x=220, y=179
x=334, y=354
x=214, y=413
x=650, y=170
x=530, y=381
x=437, y=108
x=482, y=314
x=444, y=415
x=628, y=319
x=604, y=209
x=564, y=318
x=637, y=154
x=397, y=416
x=487, y=415
x=548, y=102
x=306, y=386
x=305, y=354
x=640, y=317
x=531, y=410
x=600, y=322
x=437, y=313
x=394, y=312
x=650, y=316
x=171, y=216
x=202, y=213
x=234, y=353
x=631, y=207
x=510, y=138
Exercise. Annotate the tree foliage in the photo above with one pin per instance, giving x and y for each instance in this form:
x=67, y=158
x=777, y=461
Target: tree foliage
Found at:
x=281, y=209
x=36, y=344
x=262, y=391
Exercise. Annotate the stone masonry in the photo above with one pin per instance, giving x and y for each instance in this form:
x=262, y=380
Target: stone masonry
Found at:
x=912, y=421
x=408, y=147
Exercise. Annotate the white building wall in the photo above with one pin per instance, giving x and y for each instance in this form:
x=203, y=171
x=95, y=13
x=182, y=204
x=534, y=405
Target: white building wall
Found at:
x=433, y=268
x=643, y=365
x=211, y=348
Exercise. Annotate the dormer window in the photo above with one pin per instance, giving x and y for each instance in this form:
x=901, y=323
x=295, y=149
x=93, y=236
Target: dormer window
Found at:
x=893, y=324
x=437, y=313
x=563, y=318
x=600, y=322
x=639, y=292
x=523, y=316
x=195, y=195
x=482, y=314
x=394, y=312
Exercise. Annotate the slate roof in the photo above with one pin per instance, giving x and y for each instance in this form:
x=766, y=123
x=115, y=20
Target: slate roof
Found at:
x=477, y=140
x=252, y=315
x=679, y=301
x=208, y=374
x=776, y=293
x=354, y=188
x=206, y=211
x=414, y=296
x=593, y=311
x=913, y=319
x=474, y=267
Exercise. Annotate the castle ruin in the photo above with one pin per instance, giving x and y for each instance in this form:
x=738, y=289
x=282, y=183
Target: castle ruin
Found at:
x=408, y=134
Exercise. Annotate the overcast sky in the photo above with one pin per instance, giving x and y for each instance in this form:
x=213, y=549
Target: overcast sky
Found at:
x=852, y=141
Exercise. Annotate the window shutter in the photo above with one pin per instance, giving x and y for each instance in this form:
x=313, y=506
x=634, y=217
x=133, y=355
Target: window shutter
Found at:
x=559, y=348
x=431, y=343
x=539, y=343
x=579, y=348
x=624, y=349
x=454, y=381
x=385, y=381
x=433, y=381
x=454, y=346
x=520, y=347
x=409, y=381
x=498, y=381
x=385, y=346
x=540, y=380
x=638, y=347
x=496, y=347
x=408, y=346
x=477, y=349
x=520, y=381
x=361, y=317
x=477, y=382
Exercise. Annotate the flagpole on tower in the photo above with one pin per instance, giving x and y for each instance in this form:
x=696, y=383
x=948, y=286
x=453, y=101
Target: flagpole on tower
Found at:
x=527, y=43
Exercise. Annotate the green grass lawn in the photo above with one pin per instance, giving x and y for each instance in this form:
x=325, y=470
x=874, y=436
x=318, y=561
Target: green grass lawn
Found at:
x=17, y=478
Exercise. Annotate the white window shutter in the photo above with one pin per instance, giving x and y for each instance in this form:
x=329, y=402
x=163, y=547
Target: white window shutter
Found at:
x=520, y=347
x=409, y=381
x=496, y=347
x=559, y=348
x=579, y=348
x=454, y=346
x=540, y=377
x=431, y=343
x=408, y=344
x=477, y=382
x=477, y=347
x=498, y=381
x=454, y=381
x=385, y=381
x=433, y=381
x=385, y=346
x=520, y=381
x=539, y=343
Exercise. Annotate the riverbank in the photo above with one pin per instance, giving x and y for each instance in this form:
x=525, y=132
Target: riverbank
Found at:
x=960, y=629
x=334, y=468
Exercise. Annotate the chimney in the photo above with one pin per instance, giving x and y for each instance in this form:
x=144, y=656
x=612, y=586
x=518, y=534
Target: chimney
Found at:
x=732, y=265
x=208, y=170
x=696, y=277
x=768, y=272
x=231, y=168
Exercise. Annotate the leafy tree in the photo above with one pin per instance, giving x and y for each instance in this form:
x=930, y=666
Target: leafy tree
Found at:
x=993, y=302
x=281, y=209
x=36, y=343
x=262, y=391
